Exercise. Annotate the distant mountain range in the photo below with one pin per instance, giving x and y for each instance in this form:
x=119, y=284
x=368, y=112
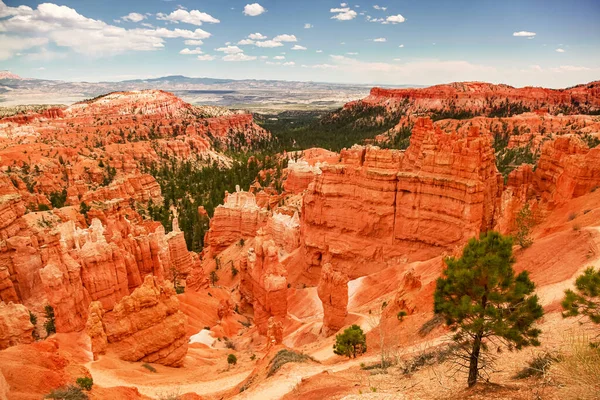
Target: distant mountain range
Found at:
x=257, y=95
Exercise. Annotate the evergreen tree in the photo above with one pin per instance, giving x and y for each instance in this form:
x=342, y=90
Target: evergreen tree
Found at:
x=481, y=298
x=585, y=300
x=49, y=324
x=525, y=223
x=351, y=343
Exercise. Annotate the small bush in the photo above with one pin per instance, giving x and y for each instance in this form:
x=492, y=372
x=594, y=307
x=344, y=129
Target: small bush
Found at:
x=231, y=359
x=351, y=343
x=50, y=323
x=253, y=357
x=33, y=320
x=286, y=356
x=386, y=364
x=234, y=271
x=572, y=216
x=537, y=366
x=67, y=393
x=578, y=370
x=207, y=328
x=214, y=278
x=229, y=344
x=85, y=383
x=401, y=315
x=149, y=367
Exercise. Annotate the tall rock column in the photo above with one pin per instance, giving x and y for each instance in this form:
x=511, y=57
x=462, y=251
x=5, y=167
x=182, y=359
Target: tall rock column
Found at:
x=333, y=292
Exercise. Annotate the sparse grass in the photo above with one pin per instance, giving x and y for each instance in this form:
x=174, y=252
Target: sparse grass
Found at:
x=579, y=370
x=538, y=366
x=149, y=367
x=67, y=393
x=286, y=356
x=427, y=357
x=430, y=325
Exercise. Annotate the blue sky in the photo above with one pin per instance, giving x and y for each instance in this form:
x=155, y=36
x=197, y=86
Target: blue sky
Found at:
x=553, y=43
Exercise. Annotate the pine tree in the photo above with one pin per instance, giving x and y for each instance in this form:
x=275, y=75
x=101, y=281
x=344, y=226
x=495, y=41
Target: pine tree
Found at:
x=585, y=300
x=480, y=298
x=351, y=343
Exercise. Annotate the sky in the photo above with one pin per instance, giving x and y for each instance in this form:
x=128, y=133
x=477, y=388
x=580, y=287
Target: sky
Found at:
x=551, y=43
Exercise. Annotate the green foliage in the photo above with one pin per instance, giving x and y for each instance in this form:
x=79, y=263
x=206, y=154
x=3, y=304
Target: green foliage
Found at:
x=149, y=367
x=85, y=383
x=507, y=109
x=400, y=141
x=43, y=207
x=286, y=356
x=58, y=199
x=351, y=343
x=591, y=141
x=508, y=160
x=585, y=299
x=70, y=392
x=234, y=271
x=33, y=320
x=333, y=131
x=187, y=185
x=83, y=209
x=109, y=175
x=525, y=222
x=231, y=359
x=481, y=298
x=50, y=323
x=401, y=314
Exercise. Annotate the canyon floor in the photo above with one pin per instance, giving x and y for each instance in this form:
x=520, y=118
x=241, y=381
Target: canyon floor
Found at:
x=146, y=241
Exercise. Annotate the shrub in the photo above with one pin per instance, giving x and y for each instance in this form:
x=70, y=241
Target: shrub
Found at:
x=351, y=343
x=67, y=393
x=149, y=367
x=585, y=299
x=481, y=299
x=214, y=278
x=229, y=344
x=85, y=383
x=231, y=359
x=525, y=223
x=401, y=315
x=538, y=366
x=286, y=356
x=50, y=323
x=234, y=271
x=33, y=320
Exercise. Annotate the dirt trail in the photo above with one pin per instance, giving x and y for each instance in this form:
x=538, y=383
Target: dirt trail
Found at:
x=108, y=379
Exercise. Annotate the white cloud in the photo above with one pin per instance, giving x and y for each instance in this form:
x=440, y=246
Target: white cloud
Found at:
x=394, y=19
x=194, y=42
x=44, y=55
x=380, y=40
x=289, y=63
x=308, y=26
x=344, y=4
x=230, y=50
x=560, y=50
x=254, y=9
x=343, y=14
x=352, y=54
x=193, y=17
x=279, y=58
x=401, y=46
x=285, y=38
x=238, y=57
x=269, y=44
x=320, y=66
x=187, y=51
x=10, y=45
x=379, y=7
x=570, y=68
x=297, y=47
x=246, y=42
x=319, y=51
x=524, y=34
x=206, y=57
x=65, y=27
x=134, y=17
x=257, y=36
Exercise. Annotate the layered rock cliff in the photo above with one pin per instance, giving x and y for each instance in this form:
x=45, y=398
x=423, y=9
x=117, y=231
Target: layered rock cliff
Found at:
x=145, y=326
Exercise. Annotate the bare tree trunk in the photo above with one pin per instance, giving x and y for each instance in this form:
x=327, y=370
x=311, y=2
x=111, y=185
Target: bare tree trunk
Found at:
x=474, y=361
